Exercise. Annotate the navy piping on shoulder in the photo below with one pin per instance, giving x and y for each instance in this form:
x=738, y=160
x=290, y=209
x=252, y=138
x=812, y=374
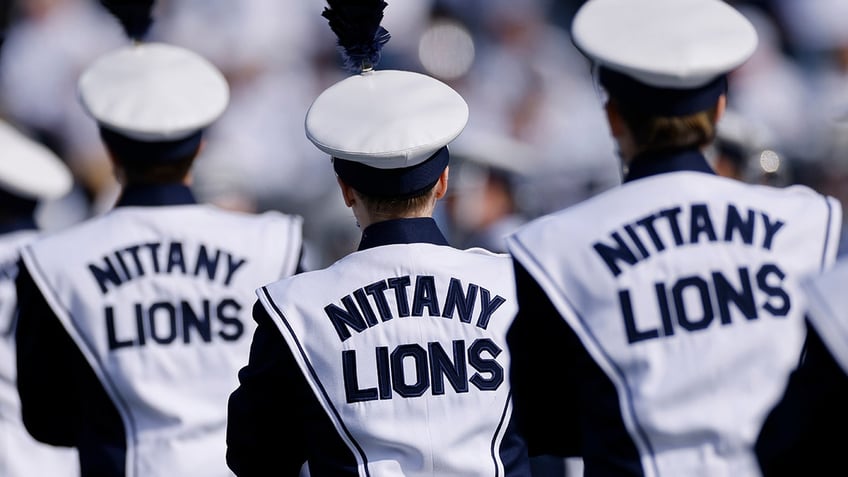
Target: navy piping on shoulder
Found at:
x=318, y=381
x=612, y=363
x=498, y=432
x=130, y=433
x=827, y=232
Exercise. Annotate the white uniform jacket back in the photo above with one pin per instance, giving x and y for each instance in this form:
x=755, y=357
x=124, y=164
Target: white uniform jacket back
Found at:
x=684, y=287
x=159, y=299
x=404, y=346
x=20, y=454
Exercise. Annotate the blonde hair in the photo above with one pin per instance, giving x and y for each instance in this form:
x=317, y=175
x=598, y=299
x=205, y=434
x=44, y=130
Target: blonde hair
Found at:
x=157, y=173
x=386, y=208
x=663, y=133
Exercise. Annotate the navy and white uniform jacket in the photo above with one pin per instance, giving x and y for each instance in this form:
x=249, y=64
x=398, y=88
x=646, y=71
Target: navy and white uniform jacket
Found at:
x=153, y=312
x=671, y=310
x=798, y=436
x=392, y=361
x=20, y=454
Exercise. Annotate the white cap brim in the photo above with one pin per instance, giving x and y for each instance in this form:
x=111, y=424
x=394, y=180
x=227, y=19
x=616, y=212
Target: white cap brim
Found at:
x=29, y=169
x=496, y=151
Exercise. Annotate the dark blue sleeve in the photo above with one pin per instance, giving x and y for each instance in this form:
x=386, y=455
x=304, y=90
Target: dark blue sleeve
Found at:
x=62, y=401
x=540, y=373
x=801, y=435
x=565, y=404
x=265, y=424
x=275, y=422
x=45, y=375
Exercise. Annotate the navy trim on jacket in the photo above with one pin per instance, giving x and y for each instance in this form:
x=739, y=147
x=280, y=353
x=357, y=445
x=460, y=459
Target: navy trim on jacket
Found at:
x=414, y=230
x=17, y=225
x=645, y=165
x=155, y=195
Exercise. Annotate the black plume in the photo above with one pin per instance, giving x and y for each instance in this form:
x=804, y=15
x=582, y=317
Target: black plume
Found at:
x=356, y=23
x=135, y=15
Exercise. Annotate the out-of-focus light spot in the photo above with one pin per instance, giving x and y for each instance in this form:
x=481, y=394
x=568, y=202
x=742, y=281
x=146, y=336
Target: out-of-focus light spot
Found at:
x=769, y=161
x=446, y=50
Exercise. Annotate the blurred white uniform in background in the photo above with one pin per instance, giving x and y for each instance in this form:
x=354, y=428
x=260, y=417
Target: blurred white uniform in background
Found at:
x=29, y=174
x=43, y=54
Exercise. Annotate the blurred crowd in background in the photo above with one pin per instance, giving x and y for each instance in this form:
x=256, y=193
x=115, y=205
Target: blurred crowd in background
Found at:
x=536, y=139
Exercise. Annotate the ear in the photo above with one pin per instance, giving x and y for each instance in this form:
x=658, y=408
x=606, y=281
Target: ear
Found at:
x=117, y=168
x=189, y=177
x=442, y=183
x=347, y=192
x=616, y=122
x=721, y=107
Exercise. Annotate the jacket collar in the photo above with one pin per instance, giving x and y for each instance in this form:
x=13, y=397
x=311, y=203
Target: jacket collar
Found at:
x=155, y=195
x=645, y=165
x=397, y=231
x=17, y=225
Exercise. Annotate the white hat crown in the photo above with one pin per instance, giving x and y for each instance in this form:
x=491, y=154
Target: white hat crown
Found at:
x=665, y=43
x=386, y=119
x=153, y=92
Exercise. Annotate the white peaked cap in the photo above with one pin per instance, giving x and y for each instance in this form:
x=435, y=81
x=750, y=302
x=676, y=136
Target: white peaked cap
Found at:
x=29, y=169
x=386, y=119
x=496, y=150
x=665, y=43
x=153, y=92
